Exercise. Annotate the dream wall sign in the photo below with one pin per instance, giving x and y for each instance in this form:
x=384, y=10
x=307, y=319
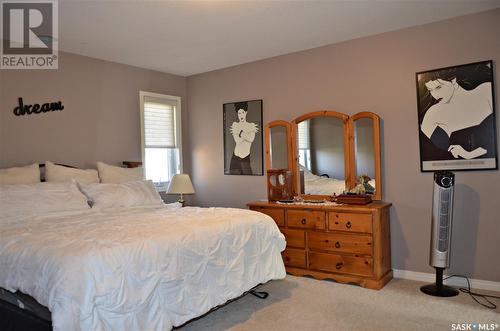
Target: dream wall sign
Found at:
x=23, y=109
x=456, y=113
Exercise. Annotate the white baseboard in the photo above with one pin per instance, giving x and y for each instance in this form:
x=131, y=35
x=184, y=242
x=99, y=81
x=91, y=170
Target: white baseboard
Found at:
x=455, y=281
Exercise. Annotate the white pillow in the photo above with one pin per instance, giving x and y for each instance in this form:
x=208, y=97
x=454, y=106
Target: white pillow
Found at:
x=113, y=174
x=115, y=196
x=27, y=199
x=20, y=175
x=57, y=173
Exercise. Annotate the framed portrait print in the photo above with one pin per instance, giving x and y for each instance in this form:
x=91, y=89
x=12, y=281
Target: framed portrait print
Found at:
x=456, y=118
x=243, y=138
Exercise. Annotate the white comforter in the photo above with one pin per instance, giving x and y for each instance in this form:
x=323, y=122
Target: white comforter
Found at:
x=139, y=269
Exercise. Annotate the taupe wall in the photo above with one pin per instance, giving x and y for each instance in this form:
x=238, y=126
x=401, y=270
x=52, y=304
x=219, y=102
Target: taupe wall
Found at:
x=375, y=74
x=101, y=118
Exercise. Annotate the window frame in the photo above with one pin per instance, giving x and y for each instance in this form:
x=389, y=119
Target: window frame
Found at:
x=307, y=150
x=178, y=125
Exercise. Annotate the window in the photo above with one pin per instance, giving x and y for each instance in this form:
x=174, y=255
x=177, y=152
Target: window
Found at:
x=161, y=137
x=304, y=145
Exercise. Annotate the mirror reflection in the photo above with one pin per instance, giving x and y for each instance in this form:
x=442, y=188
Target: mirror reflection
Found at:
x=278, y=152
x=364, y=149
x=321, y=155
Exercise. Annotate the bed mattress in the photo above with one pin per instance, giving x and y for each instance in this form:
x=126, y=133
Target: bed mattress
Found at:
x=146, y=268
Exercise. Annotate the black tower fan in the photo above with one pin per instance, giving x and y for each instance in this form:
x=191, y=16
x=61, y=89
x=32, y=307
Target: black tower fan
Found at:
x=442, y=216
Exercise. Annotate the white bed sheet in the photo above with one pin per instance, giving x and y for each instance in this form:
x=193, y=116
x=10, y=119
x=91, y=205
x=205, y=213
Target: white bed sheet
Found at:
x=322, y=185
x=138, y=269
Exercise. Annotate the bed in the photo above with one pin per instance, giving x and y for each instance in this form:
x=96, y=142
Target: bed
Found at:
x=138, y=268
x=318, y=185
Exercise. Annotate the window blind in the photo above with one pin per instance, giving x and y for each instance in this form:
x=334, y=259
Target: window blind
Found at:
x=159, y=123
x=303, y=136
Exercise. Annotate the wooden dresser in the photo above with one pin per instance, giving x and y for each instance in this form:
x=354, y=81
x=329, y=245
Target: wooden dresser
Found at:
x=349, y=244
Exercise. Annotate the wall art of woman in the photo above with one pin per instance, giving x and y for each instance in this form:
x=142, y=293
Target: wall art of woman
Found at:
x=244, y=134
x=243, y=138
x=457, y=118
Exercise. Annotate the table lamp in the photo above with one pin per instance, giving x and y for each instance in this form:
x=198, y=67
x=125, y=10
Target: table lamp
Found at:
x=181, y=184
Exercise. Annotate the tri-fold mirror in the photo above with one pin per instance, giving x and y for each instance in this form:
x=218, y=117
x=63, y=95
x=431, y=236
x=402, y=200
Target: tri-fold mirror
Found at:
x=326, y=151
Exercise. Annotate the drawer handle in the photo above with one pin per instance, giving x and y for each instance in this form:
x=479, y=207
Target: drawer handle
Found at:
x=348, y=225
x=337, y=245
x=339, y=265
x=303, y=221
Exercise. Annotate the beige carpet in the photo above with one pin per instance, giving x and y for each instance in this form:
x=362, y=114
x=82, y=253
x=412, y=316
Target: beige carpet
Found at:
x=298, y=303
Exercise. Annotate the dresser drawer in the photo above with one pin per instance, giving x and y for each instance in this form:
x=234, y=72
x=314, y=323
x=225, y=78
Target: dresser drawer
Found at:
x=277, y=214
x=350, y=222
x=294, y=238
x=342, y=243
x=294, y=257
x=362, y=266
x=306, y=219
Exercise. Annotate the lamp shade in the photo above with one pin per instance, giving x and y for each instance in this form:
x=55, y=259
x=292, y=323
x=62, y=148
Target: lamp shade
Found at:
x=180, y=184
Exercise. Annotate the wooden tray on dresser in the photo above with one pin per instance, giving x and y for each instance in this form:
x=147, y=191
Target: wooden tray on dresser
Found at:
x=349, y=244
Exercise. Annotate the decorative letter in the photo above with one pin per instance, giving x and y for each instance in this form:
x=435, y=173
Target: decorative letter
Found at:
x=18, y=111
x=45, y=107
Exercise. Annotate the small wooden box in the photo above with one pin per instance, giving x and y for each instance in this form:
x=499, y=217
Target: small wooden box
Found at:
x=354, y=199
x=280, y=184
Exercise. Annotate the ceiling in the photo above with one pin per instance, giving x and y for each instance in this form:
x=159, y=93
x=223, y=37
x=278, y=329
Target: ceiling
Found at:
x=191, y=37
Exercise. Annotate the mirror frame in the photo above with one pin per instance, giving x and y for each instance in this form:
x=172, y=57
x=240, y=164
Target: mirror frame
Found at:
x=376, y=150
x=349, y=149
x=293, y=139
